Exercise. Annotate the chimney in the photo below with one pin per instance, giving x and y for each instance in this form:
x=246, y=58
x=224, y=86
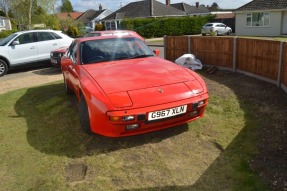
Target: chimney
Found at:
x=100, y=7
x=197, y=4
x=167, y=2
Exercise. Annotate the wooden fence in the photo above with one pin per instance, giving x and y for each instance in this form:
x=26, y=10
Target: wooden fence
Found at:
x=263, y=59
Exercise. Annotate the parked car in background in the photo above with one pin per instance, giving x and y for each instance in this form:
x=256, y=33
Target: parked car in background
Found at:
x=56, y=55
x=215, y=29
x=124, y=89
x=115, y=33
x=29, y=47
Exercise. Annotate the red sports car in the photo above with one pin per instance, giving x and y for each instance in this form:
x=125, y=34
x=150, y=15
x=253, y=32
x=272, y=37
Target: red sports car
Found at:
x=124, y=89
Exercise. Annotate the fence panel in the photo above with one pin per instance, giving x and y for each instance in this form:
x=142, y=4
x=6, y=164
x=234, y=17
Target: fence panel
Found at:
x=260, y=57
x=213, y=50
x=284, y=65
x=175, y=46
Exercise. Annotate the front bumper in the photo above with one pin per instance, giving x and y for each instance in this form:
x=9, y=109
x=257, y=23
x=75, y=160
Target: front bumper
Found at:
x=110, y=129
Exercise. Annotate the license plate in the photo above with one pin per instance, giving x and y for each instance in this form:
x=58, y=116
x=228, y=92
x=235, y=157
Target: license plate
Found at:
x=167, y=113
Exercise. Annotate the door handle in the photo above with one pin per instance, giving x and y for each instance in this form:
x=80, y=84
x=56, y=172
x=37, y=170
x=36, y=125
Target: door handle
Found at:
x=55, y=44
x=32, y=47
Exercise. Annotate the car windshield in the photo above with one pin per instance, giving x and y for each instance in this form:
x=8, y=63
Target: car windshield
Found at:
x=7, y=39
x=111, y=49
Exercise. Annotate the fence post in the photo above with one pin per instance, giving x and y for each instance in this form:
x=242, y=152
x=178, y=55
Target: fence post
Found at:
x=234, y=54
x=189, y=45
x=280, y=64
x=164, y=44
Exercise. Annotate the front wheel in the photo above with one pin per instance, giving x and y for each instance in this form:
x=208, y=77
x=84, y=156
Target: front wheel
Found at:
x=67, y=89
x=3, y=67
x=228, y=32
x=84, y=115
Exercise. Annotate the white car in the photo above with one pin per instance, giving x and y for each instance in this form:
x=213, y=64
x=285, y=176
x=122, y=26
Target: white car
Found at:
x=215, y=29
x=26, y=47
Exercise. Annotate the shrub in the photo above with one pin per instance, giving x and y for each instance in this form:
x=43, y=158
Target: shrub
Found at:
x=5, y=33
x=100, y=27
x=73, y=31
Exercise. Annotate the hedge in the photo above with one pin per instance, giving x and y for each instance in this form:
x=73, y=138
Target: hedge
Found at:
x=158, y=27
x=5, y=33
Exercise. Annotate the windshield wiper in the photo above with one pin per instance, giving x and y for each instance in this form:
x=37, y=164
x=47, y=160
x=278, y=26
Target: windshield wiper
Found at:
x=142, y=56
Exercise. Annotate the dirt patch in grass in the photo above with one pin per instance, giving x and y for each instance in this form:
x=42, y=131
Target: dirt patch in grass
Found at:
x=76, y=172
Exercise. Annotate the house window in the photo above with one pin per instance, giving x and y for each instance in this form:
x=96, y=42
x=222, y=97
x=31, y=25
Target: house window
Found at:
x=113, y=25
x=2, y=23
x=257, y=19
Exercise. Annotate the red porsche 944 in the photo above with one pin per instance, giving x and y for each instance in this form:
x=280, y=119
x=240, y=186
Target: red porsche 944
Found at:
x=124, y=89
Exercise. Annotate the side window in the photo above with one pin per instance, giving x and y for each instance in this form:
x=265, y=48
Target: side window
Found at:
x=44, y=36
x=56, y=36
x=69, y=53
x=74, y=53
x=26, y=38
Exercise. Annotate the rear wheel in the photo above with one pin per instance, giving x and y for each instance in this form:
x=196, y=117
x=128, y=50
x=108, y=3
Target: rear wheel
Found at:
x=3, y=67
x=203, y=34
x=84, y=115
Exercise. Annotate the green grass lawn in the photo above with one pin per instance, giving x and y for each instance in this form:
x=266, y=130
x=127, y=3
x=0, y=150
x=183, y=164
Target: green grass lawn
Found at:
x=42, y=147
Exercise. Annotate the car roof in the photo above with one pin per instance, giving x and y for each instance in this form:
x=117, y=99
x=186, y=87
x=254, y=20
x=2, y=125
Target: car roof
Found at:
x=42, y=30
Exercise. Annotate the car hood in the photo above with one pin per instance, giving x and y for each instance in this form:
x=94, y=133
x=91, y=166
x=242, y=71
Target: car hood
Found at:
x=142, y=82
x=136, y=74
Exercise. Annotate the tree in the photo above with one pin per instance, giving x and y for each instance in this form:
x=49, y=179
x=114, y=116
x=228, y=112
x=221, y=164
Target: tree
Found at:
x=214, y=7
x=2, y=13
x=66, y=6
x=23, y=10
x=4, y=5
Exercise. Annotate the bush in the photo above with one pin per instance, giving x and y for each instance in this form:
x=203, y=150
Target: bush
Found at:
x=5, y=33
x=100, y=27
x=158, y=27
x=73, y=31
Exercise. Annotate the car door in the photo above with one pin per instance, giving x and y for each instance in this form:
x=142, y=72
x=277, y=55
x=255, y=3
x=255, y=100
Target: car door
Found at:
x=24, y=51
x=46, y=43
x=71, y=70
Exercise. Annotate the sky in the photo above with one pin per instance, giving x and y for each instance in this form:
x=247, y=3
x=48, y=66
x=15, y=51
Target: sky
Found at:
x=113, y=5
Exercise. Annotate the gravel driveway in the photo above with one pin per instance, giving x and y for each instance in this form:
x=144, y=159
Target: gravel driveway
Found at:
x=23, y=79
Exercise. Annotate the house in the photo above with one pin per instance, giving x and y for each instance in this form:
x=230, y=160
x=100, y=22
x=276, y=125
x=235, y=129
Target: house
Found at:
x=141, y=9
x=92, y=17
x=196, y=10
x=89, y=18
x=5, y=23
x=262, y=18
x=73, y=15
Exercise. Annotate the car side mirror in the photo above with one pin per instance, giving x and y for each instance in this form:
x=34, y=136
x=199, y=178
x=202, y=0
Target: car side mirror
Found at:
x=66, y=62
x=156, y=52
x=15, y=42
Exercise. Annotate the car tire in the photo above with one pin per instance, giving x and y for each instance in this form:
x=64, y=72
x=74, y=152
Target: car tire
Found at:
x=84, y=115
x=228, y=32
x=3, y=68
x=203, y=34
x=67, y=89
